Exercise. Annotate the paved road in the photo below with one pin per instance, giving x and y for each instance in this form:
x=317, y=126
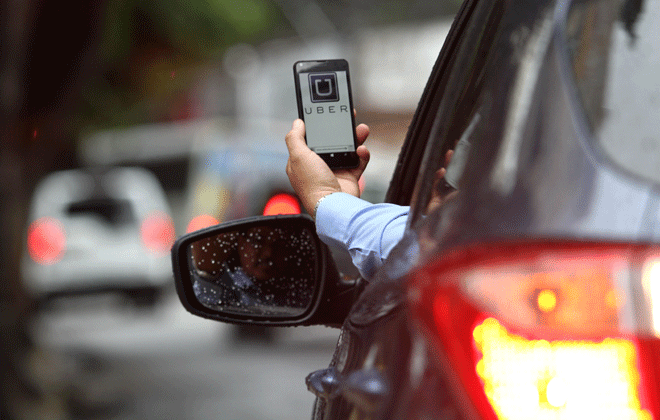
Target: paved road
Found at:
x=168, y=364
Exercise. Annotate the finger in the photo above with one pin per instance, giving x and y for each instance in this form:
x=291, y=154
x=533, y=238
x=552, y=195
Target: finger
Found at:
x=362, y=132
x=448, y=156
x=364, y=155
x=295, y=139
x=439, y=175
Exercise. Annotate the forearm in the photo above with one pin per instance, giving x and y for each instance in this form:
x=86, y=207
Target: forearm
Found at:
x=367, y=231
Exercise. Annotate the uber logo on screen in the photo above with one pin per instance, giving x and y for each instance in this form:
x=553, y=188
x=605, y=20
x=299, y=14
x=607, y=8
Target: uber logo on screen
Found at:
x=323, y=87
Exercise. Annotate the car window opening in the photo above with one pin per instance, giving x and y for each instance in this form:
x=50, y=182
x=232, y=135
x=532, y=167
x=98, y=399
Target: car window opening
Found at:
x=462, y=123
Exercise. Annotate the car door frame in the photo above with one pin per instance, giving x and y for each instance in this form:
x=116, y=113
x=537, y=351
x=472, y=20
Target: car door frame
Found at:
x=413, y=150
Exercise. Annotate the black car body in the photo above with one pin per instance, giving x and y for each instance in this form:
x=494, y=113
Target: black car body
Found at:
x=535, y=292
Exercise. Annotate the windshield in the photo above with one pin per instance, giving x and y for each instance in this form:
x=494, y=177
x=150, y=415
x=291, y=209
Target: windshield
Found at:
x=612, y=46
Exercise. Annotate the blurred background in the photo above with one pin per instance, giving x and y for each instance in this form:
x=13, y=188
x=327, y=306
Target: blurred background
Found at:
x=126, y=124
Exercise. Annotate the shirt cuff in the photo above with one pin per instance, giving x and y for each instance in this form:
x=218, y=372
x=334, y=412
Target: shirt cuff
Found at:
x=368, y=232
x=332, y=226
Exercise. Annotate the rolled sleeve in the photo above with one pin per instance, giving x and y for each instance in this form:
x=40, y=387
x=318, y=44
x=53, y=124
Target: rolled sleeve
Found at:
x=367, y=231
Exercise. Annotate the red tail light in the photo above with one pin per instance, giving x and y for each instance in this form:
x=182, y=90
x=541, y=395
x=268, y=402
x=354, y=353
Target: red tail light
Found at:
x=200, y=222
x=46, y=241
x=282, y=204
x=157, y=232
x=548, y=331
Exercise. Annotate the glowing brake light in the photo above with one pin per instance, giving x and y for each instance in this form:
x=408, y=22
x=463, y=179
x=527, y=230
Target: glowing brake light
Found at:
x=157, y=232
x=540, y=379
x=547, y=330
x=546, y=300
x=46, y=241
x=651, y=284
x=200, y=222
x=282, y=204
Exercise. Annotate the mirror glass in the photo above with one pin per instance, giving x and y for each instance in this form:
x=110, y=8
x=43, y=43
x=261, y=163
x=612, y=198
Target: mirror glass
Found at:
x=259, y=270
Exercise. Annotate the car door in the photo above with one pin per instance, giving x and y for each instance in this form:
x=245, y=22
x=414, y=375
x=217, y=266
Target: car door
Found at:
x=376, y=371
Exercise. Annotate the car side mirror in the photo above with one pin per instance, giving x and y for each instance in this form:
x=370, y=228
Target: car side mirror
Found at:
x=265, y=270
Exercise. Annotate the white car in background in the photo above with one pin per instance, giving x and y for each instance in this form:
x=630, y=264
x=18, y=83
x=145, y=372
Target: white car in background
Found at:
x=96, y=231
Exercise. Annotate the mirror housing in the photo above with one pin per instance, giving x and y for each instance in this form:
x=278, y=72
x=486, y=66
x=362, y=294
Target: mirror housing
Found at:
x=304, y=286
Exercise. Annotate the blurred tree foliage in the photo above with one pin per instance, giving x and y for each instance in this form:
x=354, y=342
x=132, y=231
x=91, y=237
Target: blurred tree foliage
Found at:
x=150, y=52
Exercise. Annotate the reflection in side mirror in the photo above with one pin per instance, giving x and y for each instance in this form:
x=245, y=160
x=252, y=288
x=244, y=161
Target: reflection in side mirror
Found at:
x=262, y=270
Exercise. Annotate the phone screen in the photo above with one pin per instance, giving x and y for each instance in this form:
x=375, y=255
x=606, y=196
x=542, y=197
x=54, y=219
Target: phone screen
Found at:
x=327, y=111
x=325, y=104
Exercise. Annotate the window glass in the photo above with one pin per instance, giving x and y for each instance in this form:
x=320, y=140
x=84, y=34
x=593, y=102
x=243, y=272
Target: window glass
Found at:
x=460, y=116
x=613, y=48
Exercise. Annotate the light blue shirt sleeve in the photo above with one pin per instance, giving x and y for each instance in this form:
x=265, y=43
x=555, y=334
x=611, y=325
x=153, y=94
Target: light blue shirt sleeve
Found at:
x=367, y=231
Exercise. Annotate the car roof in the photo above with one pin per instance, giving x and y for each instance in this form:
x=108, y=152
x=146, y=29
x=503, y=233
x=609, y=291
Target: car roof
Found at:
x=135, y=185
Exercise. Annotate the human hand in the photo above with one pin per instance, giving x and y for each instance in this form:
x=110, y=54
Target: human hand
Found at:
x=311, y=178
x=437, y=199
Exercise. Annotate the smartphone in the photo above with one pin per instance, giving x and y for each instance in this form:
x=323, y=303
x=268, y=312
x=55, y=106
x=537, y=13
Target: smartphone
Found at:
x=323, y=91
